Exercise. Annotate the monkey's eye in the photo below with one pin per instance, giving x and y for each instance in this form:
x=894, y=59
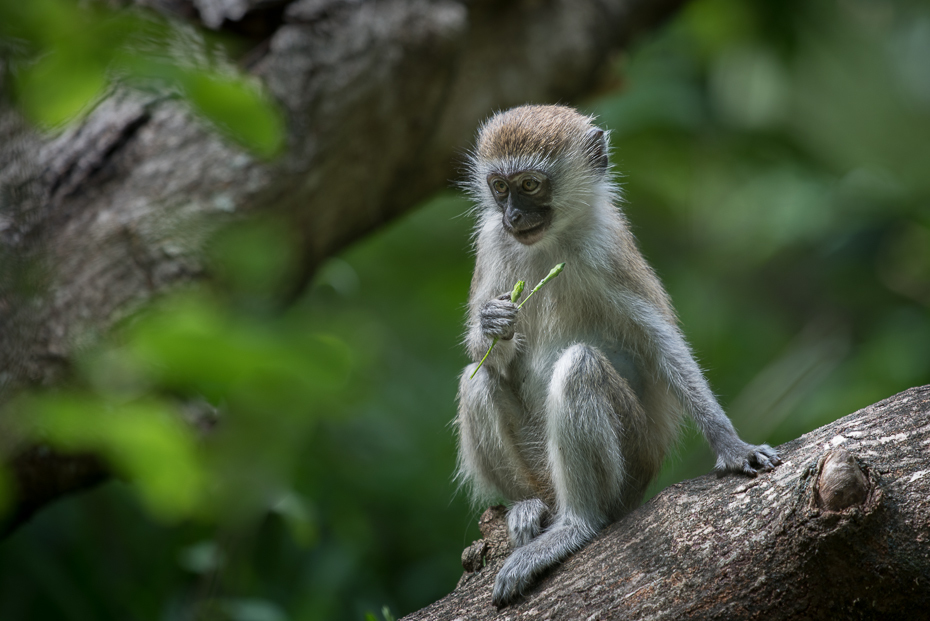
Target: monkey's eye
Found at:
x=530, y=185
x=499, y=186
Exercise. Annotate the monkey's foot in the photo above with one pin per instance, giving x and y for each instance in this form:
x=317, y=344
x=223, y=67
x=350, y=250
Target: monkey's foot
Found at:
x=513, y=579
x=749, y=459
x=528, y=563
x=525, y=521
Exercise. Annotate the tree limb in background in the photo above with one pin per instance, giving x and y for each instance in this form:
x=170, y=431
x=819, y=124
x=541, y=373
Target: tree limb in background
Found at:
x=379, y=99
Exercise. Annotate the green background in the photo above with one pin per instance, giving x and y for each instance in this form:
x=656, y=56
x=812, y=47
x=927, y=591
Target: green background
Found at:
x=775, y=164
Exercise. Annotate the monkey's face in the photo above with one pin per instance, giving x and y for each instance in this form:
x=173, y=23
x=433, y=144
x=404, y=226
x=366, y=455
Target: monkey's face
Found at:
x=525, y=200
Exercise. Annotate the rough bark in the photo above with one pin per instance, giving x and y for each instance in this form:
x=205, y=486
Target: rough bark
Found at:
x=380, y=99
x=841, y=530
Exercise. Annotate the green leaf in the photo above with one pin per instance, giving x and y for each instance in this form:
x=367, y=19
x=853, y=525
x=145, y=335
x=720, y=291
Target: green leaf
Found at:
x=60, y=87
x=145, y=441
x=67, y=53
x=237, y=106
x=190, y=344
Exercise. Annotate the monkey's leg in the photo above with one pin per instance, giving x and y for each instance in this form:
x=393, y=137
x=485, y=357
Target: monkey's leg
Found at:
x=584, y=410
x=489, y=455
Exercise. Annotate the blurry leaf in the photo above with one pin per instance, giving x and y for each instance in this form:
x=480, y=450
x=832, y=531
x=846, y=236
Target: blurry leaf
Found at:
x=59, y=87
x=237, y=106
x=74, y=50
x=194, y=345
x=385, y=615
x=145, y=441
x=71, y=49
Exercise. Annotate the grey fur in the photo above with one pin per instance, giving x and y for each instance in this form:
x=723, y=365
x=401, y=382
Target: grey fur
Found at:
x=571, y=418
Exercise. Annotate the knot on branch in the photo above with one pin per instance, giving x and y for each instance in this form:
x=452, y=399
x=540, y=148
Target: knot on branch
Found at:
x=840, y=482
x=494, y=544
x=473, y=557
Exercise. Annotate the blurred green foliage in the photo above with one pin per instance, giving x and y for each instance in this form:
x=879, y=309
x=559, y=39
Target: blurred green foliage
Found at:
x=64, y=55
x=774, y=159
x=143, y=440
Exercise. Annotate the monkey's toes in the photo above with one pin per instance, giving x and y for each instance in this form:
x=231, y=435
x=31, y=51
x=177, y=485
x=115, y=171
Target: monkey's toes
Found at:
x=772, y=455
x=748, y=460
x=508, y=587
x=761, y=459
x=764, y=458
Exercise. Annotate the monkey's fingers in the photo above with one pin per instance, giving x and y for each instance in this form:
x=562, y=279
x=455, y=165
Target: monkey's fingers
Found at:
x=763, y=458
x=748, y=459
x=497, y=319
x=510, y=583
x=769, y=452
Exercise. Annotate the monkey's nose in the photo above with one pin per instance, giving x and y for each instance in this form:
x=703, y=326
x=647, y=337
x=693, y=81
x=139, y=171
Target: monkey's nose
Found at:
x=515, y=219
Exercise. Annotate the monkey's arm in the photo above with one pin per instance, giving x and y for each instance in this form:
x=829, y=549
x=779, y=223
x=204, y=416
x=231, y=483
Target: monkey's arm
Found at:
x=675, y=365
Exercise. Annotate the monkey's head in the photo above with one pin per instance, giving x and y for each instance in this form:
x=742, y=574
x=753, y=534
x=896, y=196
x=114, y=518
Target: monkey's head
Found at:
x=542, y=167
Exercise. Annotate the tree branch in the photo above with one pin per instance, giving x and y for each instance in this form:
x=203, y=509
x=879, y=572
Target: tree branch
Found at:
x=380, y=100
x=839, y=531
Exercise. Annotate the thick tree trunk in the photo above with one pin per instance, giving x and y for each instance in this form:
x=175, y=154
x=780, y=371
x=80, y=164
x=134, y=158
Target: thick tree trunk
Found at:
x=381, y=99
x=841, y=530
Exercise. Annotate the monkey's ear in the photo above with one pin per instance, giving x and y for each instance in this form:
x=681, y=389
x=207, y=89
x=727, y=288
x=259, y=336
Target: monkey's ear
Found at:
x=596, y=148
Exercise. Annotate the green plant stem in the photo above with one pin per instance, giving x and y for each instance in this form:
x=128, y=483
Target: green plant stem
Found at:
x=517, y=290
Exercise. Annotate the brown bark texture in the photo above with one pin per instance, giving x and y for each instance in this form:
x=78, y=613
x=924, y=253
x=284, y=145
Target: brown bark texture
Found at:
x=381, y=99
x=840, y=530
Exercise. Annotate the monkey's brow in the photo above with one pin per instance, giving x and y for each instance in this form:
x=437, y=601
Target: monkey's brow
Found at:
x=509, y=166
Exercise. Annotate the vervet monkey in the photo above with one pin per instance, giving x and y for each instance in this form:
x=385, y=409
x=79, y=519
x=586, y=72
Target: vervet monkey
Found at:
x=573, y=411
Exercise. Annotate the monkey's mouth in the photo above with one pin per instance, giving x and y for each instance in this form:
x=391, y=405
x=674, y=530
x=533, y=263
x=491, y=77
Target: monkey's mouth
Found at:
x=529, y=227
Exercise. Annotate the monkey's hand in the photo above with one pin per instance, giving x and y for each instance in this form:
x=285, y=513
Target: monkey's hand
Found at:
x=497, y=318
x=749, y=459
